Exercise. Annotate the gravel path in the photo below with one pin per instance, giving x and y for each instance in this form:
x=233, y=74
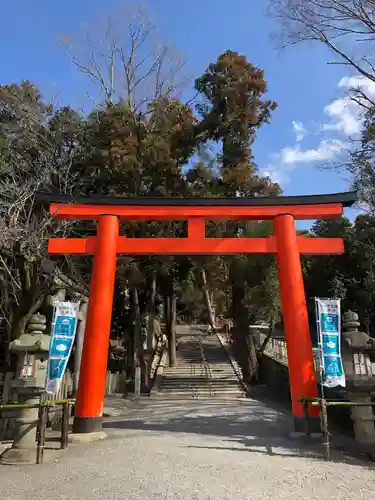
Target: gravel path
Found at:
x=192, y=450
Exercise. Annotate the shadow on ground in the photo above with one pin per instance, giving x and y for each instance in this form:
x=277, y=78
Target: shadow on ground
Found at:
x=248, y=426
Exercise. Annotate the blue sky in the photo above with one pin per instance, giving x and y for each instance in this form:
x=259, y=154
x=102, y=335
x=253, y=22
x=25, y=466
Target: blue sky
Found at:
x=310, y=126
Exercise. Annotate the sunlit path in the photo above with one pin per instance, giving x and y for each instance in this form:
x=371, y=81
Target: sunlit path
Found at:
x=192, y=450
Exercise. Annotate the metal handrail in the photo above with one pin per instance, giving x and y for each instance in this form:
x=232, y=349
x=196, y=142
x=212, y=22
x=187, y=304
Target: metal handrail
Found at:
x=47, y=402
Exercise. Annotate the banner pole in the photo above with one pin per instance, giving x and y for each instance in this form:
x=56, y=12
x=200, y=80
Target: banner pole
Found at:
x=320, y=347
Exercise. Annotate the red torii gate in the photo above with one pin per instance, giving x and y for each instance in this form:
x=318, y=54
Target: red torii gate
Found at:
x=107, y=244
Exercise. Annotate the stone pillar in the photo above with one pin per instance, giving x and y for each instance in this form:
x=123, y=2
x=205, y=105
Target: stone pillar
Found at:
x=23, y=451
x=363, y=419
x=360, y=380
x=32, y=348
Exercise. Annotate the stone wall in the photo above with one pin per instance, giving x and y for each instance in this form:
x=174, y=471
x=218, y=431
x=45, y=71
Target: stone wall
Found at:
x=274, y=375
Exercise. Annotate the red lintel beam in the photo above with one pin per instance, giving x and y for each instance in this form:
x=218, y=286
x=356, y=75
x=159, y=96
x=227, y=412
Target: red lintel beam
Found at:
x=155, y=212
x=185, y=246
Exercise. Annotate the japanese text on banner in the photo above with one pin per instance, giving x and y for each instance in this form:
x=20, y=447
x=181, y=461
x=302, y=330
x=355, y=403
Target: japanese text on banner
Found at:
x=328, y=312
x=62, y=339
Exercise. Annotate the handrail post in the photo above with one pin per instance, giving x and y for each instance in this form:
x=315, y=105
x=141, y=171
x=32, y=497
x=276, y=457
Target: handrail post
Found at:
x=306, y=412
x=64, y=426
x=324, y=420
x=43, y=418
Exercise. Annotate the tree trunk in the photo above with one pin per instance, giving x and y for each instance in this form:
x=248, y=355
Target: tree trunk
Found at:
x=211, y=318
x=172, y=331
x=80, y=336
x=152, y=312
x=153, y=294
x=245, y=351
x=7, y=322
x=137, y=333
x=254, y=374
x=136, y=328
x=167, y=312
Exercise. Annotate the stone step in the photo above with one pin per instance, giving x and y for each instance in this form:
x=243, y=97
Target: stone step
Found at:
x=200, y=381
x=224, y=378
x=202, y=390
x=216, y=380
x=194, y=381
x=188, y=379
x=202, y=393
x=177, y=395
x=177, y=370
x=198, y=388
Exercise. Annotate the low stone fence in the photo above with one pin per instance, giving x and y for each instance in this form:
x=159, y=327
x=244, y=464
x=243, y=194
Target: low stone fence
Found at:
x=274, y=375
x=274, y=364
x=276, y=348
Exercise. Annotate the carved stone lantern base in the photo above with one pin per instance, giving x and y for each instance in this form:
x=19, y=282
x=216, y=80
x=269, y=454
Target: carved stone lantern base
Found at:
x=23, y=451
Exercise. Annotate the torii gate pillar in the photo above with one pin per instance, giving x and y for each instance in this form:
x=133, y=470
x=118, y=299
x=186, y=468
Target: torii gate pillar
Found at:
x=93, y=371
x=296, y=322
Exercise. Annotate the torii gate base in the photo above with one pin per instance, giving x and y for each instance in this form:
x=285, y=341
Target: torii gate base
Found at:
x=108, y=244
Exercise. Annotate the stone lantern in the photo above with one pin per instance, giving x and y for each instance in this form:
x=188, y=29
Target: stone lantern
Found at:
x=32, y=351
x=358, y=350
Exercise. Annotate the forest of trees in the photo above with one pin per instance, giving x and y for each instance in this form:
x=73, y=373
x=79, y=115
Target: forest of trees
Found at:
x=142, y=139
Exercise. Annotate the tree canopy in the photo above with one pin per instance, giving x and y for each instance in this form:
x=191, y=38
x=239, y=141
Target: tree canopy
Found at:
x=142, y=139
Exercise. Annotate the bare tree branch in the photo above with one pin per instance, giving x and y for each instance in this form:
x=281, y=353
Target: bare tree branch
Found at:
x=346, y=27
x=33, y=155
x=126, y=64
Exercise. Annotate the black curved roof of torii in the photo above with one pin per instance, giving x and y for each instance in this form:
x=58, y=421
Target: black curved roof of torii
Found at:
x=346, y=199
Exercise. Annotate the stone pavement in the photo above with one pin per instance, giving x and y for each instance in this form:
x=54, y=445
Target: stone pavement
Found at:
x=159, y=449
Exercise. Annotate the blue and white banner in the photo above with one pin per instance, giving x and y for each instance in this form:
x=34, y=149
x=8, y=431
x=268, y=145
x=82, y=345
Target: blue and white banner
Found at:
x=328, y=317
x=64, y=328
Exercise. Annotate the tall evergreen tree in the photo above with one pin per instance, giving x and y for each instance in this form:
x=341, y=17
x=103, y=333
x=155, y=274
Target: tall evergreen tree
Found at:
x=232, y=109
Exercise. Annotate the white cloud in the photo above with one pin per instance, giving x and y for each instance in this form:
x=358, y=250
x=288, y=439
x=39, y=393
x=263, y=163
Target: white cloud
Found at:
x=281, y=176
x=358, y=82
x=299, y=130
x=346, y=115
x=326, y=150
x=345, y=121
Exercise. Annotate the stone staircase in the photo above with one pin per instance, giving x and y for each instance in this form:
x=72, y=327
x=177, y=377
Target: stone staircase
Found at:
x=203, y=369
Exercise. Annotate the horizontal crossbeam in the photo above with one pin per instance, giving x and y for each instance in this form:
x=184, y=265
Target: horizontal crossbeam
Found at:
x=195, y=246
x=346, y=199
x=157, y=212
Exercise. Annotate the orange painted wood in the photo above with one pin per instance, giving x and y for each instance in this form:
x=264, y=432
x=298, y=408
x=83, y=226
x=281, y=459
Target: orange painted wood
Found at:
x=186, y=246
x=91, y=389
x=93, y=212
x=196, y=228
x=296, y=323
x=320, y=246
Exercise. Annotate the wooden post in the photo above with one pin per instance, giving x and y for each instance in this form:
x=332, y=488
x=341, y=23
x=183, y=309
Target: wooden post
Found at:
x=325, y=432
x=80, y=337
x=300, y=356
x=93, y=371
x=43, y=418
x=64, y=426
